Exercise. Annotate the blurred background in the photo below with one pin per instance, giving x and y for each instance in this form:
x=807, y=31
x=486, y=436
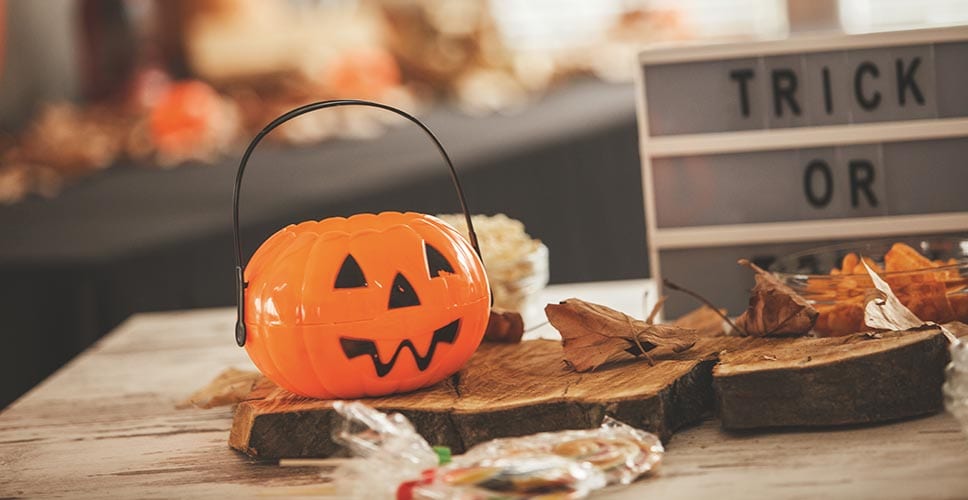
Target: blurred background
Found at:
x=123, y=122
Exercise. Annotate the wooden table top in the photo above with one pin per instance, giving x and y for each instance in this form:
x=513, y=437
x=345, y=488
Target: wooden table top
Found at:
x=106, y=425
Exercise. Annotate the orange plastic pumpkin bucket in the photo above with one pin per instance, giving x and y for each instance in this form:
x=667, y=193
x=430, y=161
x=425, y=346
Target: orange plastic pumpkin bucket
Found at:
x=368, y=305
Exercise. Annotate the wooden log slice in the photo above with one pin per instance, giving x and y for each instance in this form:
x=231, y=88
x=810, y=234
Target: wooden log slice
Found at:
x=855, y=379
x=505, y=390
x=520, y=389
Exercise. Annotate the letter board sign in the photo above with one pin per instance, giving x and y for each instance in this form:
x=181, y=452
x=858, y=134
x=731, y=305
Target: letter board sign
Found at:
x=785, y=145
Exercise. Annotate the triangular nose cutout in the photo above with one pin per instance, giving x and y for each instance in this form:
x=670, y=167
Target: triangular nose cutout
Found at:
x=402, y=293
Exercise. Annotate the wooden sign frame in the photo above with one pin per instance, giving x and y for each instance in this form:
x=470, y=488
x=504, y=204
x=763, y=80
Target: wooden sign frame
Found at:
x=662, y=146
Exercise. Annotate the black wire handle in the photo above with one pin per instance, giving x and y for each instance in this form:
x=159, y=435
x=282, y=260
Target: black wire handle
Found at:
x=308, y=108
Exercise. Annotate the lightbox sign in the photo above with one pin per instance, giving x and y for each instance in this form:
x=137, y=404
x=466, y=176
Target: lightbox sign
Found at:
x=809, y=89
x=803, y=140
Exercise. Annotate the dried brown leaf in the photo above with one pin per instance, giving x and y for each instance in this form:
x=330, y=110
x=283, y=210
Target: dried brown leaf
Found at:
x=229, y=387
x=593, y=335
x=774, y=308
x=883, y=310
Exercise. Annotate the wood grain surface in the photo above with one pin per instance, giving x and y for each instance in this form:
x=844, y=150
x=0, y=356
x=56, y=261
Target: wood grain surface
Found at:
x=505, y=390
x=514, y=390
x=106, y=426
x=814, y=382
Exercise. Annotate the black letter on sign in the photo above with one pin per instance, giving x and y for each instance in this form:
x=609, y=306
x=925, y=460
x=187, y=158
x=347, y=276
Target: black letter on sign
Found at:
x=905, y=79
x=784, y=89
x=861, y=178
x=828, y=101
x=872, y=103
x=742, y=76
x=828, y=183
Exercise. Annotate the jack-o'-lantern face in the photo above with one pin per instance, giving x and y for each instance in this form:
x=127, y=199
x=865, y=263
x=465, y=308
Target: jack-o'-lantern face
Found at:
x=364, y=306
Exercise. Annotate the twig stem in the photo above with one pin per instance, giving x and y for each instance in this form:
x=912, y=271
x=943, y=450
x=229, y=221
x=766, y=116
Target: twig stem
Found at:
x=708, y=304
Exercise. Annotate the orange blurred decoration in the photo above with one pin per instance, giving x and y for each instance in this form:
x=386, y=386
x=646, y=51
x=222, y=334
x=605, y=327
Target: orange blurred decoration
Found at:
x=367, y=73
x=182, y=117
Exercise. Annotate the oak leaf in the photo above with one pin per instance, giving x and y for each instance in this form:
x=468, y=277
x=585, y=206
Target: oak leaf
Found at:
x=593, y=335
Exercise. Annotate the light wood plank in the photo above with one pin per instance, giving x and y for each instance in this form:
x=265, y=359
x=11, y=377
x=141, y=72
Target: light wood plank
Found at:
x=106, y=425
x=807, y=230
x=804, y=137
x=821, y=42
x=924, y=458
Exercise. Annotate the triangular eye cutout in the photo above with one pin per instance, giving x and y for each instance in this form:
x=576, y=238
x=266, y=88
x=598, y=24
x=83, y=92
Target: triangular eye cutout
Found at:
x=436, y=262
x=350, y=275
x=402, y=293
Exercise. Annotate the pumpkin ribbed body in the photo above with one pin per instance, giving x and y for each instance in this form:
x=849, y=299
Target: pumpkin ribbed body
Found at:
x=368, y=305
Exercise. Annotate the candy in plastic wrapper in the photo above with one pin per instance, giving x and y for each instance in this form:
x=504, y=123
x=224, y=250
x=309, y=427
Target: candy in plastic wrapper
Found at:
x=523, y=476
x=622, y=452
x=391, y=459
x=388, y=451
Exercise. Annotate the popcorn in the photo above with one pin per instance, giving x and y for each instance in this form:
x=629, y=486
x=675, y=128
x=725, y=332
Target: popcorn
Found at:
x=516, y=264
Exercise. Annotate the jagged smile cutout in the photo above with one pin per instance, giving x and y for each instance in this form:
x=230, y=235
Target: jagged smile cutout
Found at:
x=354, y=347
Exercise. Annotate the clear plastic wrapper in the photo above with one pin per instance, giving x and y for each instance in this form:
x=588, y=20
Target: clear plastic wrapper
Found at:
x=387, y=449
x=622, y=452
x=391, y=459
x=537, y=475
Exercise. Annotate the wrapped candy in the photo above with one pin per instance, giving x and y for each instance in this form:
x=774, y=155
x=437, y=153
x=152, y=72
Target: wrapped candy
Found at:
x=526, y=475
x=387, y=447
x=561, y=465
x=621, y=452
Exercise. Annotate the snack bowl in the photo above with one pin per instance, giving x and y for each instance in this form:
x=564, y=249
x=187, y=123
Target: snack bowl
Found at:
x=517, y=284
x=929, y=276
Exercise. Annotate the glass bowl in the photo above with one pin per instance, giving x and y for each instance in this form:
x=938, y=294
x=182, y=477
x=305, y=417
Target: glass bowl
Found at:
x=516, y=264
x=517, y=285
x=935, y=292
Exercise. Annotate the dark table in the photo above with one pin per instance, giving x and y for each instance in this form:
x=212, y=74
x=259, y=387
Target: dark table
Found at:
x=142, y=239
